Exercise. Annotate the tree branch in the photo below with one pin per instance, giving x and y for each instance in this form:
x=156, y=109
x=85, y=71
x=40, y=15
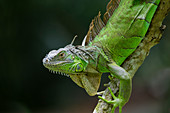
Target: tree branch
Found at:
x=135, y=60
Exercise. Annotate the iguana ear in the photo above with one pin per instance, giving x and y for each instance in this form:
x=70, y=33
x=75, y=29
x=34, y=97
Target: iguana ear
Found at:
x=90, y=82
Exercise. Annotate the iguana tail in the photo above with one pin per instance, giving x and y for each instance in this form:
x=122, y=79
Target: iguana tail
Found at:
x=132, y=36
x=137, y=31
x=142, y=22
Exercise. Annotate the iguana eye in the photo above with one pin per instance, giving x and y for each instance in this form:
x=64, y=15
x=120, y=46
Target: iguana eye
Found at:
x=62, y=54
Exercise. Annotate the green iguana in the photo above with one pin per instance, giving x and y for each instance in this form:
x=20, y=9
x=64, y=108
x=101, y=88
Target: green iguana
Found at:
x=105, y=47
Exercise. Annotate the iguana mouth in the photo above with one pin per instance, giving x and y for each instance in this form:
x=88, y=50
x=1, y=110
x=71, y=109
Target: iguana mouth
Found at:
x=53, y=64
x=65, y=74
x=58, y=72
x=48, y=61
x=55, y=67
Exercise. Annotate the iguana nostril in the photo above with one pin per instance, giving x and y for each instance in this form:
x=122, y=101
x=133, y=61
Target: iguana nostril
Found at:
x=45, y=60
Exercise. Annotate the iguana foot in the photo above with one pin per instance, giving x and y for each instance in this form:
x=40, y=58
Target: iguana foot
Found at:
x=117, y=102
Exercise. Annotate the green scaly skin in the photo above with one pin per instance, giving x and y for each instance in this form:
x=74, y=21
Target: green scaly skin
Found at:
x=116, y=41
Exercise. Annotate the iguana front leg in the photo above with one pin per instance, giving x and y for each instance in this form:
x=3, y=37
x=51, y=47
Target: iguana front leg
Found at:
x=124, y=88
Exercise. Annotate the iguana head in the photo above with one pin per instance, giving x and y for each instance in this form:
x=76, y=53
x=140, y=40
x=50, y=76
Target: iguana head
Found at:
x=73, y=61
x=64, y=61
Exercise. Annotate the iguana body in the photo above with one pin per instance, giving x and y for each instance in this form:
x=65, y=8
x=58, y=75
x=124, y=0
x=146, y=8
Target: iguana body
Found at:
x=107, y=44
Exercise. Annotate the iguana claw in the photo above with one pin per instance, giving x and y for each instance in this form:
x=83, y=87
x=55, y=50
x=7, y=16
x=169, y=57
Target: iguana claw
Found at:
x=100, y=93
x=117, y=102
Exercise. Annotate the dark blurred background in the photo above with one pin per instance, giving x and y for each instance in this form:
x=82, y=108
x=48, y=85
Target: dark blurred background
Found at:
x=29, y=29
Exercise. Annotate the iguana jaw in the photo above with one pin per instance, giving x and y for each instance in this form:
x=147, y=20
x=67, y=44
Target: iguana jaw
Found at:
x=54, y=67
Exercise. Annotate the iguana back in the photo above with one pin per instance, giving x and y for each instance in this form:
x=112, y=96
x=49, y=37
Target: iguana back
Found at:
x=125, y=28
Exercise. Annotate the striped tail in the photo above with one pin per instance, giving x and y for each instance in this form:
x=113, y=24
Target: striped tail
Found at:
x=142, y=22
